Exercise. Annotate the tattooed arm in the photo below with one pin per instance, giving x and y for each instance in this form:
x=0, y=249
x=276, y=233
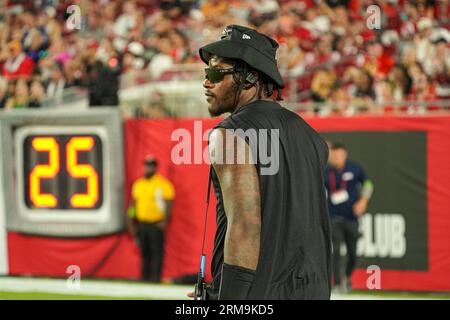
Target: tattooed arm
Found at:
x=239, y=183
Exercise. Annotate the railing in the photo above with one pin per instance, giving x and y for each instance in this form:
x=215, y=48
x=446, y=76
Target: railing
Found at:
x=371, y=108
x=177, y=72
x=136, y=86
x=178, y=92
x=71, y=97
x=181, y=74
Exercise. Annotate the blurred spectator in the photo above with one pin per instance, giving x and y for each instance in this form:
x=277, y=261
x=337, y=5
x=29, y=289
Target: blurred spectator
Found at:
x=336, y=3
x=58, y=52
x=37, y=75
x=359, y=86
x=18, y=63
x=422, y=39
x=439, y=62
x=37, y=95
x=324, y=51
x=364, y=85
x=103, y=82
x=438, y=67
x=163, y=60
x=384, y=92
x=36, y=43
x=48, y=22
x=127, y=20
x=401, y=82
x=415, y=70
x=181, y=52
x=56, y=84
x=262, y=10
x=103, y=65
x=422, y=89
x=408, y=55
x=339, y=18
x=340, y=98
x=384, y=98
x=74, y=72
x=175, y=9
x=377, y=61
x=292, y=56
x=133, y=59
x=18, y=97
x=322, y=85
x=3, y=92
x=213, y=8
x=410, y=14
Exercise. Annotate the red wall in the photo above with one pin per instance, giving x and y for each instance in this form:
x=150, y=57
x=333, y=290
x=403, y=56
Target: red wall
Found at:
x=116, y=256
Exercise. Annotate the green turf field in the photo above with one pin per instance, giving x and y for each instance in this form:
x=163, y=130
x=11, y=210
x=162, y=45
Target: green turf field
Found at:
x=55, y=296
x=357, y=295
x=401, y=295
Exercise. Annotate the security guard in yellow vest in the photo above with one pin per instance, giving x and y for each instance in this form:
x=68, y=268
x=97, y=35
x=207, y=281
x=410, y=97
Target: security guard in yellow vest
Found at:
x=149, y=212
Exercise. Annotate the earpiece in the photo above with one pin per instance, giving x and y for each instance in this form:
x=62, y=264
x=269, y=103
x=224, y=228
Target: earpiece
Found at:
x=250, y=80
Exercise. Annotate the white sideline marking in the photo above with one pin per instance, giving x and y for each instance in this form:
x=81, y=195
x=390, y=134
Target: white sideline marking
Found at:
x=96, y=288
x=3, y=234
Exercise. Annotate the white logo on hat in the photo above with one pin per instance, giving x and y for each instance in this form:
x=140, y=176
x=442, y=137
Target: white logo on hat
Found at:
x=245, y=36
x=226, y=31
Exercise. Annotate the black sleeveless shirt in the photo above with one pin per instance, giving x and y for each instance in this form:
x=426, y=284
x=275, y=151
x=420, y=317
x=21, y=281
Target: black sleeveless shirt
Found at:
x=295, y=249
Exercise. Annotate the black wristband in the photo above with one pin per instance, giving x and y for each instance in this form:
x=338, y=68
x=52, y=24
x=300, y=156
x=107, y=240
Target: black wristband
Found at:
x=235, y=283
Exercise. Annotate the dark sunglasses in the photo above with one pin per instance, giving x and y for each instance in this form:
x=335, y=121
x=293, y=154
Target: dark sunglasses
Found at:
x=216, y=75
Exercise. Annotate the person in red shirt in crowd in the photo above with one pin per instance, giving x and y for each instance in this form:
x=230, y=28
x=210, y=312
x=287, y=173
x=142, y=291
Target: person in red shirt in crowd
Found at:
x=324, y=51
x=377, y=61
x=18, y=64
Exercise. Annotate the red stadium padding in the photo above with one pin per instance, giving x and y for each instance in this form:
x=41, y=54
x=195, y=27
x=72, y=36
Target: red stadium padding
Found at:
x=183, y=242
x=104, y=257
x=117, y=256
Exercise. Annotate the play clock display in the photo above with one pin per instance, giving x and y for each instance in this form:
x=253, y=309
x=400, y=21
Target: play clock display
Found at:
x=63, y=172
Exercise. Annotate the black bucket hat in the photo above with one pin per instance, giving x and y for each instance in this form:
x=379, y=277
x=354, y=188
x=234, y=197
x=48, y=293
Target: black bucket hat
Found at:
x=248, y=45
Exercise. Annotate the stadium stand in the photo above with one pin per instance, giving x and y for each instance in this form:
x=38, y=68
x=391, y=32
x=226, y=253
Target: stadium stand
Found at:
x=332, y=62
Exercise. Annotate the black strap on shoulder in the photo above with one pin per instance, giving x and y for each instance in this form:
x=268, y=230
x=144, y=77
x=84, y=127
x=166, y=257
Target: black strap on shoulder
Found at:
x=208, y=196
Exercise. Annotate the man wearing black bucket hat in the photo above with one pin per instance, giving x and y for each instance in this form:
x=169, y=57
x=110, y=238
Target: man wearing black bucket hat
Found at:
x=273, y=235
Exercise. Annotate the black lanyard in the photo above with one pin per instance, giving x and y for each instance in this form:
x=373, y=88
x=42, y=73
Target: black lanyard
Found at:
x=200, y=287
x=333, y=181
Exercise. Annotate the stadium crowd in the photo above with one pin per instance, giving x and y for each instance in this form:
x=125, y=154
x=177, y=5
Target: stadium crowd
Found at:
x=327, y=51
